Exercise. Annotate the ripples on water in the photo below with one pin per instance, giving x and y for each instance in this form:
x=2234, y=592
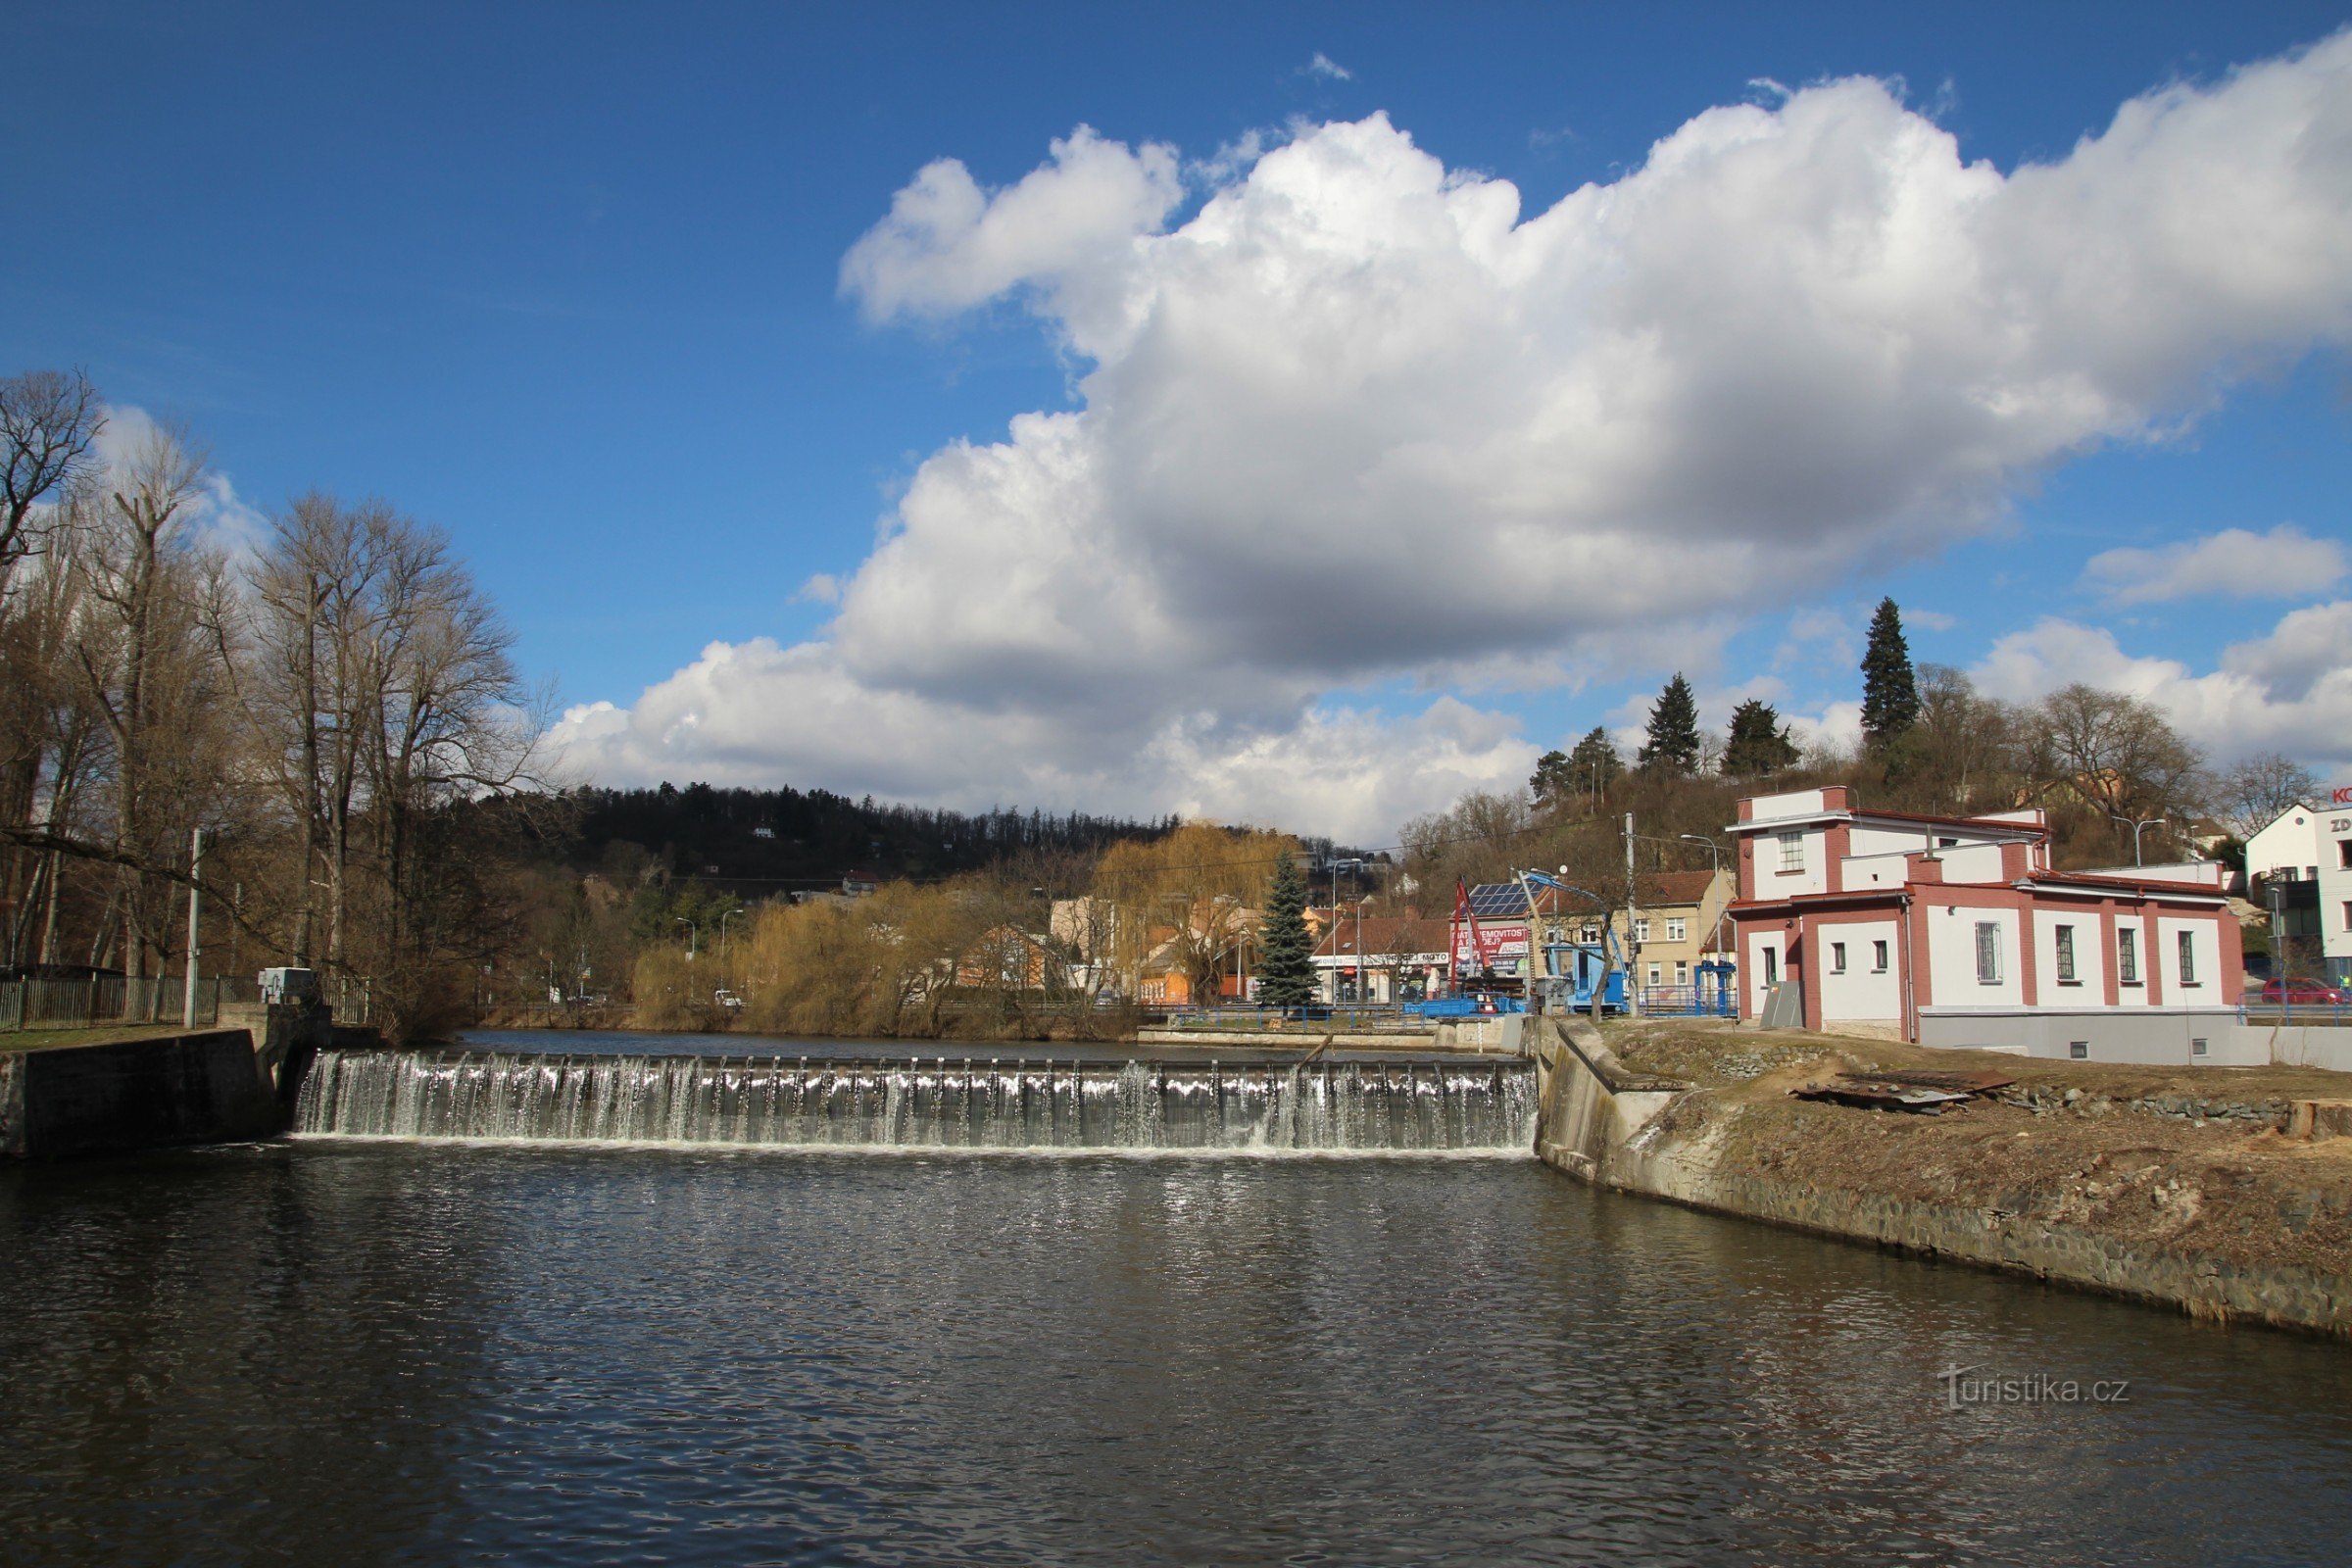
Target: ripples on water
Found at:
x=364, y=1353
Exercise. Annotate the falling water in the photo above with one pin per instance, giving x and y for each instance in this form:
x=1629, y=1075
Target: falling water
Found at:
x=940, y=1102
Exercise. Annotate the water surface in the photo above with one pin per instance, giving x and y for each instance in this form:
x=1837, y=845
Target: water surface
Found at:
x=327, y=1351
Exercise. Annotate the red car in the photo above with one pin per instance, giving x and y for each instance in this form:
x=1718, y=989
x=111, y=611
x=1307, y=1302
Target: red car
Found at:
x=2297, y=991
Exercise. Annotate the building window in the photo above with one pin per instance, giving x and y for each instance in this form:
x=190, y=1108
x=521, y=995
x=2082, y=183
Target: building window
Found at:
x=2126, y=956
x=1641, y=930
x=1793, y=852
x=1878, y=957
x=2066, y=954
x=2196, y=1047
x=1655, y=975
x=1836, y=957
x=2188, y=958
x=1677, y=931
x=2348, y=915
x=1772, y=966
x=1682, y=971
x=2343, y=855
x=1591, y=934
x=2079, y=1050
x=1988, y=953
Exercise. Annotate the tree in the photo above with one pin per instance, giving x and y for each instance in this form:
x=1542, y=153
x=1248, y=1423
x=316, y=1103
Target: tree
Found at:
x=1674, y=743
x=1596, y=762
x=1890, y=694
x=1961, y=744
x=1554, y=778
x=1759, y=744
x=2251, y=794
x=47, y=422
x=1286, y=975
x=2116, y=753
x=1192, y=897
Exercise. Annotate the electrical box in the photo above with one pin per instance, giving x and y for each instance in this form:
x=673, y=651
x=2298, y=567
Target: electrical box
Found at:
x=289, y=986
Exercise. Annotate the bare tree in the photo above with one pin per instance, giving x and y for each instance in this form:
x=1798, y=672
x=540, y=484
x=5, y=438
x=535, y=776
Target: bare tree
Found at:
x=48, y=419
x=2251, y=794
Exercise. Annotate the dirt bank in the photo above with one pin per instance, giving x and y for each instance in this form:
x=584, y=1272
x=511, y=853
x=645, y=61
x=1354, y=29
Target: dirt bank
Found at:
x=2175, y=1184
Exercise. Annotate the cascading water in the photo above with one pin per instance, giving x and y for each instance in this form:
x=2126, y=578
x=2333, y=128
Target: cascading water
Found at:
x=1405, y=1106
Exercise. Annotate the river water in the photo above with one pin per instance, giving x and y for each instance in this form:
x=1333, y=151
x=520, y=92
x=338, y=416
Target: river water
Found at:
x=360, y=1350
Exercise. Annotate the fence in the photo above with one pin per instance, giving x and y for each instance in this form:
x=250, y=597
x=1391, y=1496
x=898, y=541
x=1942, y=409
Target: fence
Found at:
x=1689, y=1002
x=2301, y=1014
x=113, y=998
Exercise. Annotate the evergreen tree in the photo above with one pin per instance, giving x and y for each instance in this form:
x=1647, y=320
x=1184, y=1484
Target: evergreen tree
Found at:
x=1553, y=780
x=1673, y=730
x=1596, y=762
x=1889, y=693
x=1286, y=969
x=1759, y=743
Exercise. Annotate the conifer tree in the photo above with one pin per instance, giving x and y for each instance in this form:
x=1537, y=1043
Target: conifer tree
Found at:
x=1596, y=762
x=1286, y=970
x=1889, y=693
x=1553, y=779
x=1673, y=730
x=1760, y=745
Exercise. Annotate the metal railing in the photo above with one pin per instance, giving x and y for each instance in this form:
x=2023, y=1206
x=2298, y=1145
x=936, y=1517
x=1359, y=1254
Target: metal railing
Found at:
x=115, y=1000
x=1689, y=1002
x=1367, y=1017
x=2300, y=1014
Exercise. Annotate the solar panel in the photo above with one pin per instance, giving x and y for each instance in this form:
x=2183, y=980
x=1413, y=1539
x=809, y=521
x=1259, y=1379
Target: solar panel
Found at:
x=1498, y=898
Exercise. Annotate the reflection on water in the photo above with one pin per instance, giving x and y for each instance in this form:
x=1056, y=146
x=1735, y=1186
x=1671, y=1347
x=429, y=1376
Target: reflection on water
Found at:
x=437, y=1353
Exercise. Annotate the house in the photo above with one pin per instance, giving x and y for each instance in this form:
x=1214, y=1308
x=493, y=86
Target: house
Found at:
x=1006, y=956
x=1382, y=958
x=1956, y=931
x=2305, y=851
x=1674, y=925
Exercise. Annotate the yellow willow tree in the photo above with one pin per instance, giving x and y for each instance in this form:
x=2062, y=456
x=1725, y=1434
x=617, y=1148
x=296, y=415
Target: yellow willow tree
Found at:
x=1192, y=898
x=879, y=966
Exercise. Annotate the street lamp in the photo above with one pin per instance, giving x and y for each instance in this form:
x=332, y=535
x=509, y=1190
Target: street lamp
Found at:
x=2137, y=828
x=693, y=934
x=722, y=933
x=1714, y=869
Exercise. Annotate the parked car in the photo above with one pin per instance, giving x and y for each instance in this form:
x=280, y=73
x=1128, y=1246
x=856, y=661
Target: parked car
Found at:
x=2300, y=991
x=727, y=999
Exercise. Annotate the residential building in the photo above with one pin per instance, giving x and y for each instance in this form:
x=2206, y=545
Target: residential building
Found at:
x=2306, y=849
x=1673, y=928
x=1956, y=931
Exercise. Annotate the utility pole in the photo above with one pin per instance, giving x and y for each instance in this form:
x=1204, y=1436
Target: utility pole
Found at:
x=187, y=988
x=1633, y=916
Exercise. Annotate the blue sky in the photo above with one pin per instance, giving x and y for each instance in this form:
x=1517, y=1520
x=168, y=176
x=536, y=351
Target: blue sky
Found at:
x=569, y=283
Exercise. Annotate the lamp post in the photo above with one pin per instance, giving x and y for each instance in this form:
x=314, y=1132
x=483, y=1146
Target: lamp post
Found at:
x=1714, y=871
x=693, y=934
x=187, y=987
x=2137, y=827
x=722, y=933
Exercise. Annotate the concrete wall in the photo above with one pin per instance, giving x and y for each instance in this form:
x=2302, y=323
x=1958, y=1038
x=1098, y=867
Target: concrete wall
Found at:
x=2300, y=1046
x=134, y=1094
x=2161, y=1038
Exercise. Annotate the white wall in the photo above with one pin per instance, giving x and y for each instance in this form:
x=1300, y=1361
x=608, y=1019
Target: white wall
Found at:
x=2291, y=840
x=1859, y=993
x=1971, y=863
x=1797, y=803
x=1813, y=878
x=2206, y=949
x=1952, y=958
x=2090, y=957
x=1872, y=871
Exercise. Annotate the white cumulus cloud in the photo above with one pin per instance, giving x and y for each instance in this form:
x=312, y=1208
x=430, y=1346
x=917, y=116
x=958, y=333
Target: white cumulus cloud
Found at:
x=2233, y=563
x=1358, y=419
x=2288, y=690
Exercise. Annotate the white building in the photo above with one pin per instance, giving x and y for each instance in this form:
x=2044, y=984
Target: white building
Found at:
x=1956, y=931
x=2312, y=844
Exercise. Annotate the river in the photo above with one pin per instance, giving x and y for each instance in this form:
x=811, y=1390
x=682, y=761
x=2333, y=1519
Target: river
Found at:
x=360, y=1350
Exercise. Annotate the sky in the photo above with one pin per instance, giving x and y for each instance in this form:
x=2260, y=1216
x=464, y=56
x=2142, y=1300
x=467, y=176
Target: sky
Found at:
x=1299, y=414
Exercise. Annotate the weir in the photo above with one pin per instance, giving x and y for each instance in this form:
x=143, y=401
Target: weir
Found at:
x=942, y=1102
